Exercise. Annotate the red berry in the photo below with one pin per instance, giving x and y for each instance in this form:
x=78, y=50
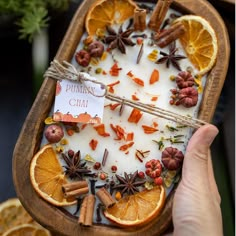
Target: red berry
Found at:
x=54, y=133
x=141, y=174
x=148, y=164
x=71, y=153
x=139, y=41
x=158, y=171
x=148, y=172
x=114, y=169
x=153, y=174
x=102, y=176
x=158, y=181
x=97, y=166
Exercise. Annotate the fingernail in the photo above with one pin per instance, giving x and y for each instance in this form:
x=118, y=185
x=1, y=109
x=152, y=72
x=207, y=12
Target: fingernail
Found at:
x=211, y=132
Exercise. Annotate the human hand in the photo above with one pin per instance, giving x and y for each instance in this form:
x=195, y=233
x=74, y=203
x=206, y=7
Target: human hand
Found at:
x=196, y=206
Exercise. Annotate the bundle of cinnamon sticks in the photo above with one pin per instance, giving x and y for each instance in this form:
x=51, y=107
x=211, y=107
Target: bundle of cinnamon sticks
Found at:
x=79, y=188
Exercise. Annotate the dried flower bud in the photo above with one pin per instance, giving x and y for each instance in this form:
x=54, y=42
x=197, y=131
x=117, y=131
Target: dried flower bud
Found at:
x=184, y=79
x=83, y=58
x=153, y=168
x=96, y=49
x=172, y=158
x=188, y=97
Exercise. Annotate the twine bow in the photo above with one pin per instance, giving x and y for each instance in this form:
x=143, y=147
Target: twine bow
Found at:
x=67, y=71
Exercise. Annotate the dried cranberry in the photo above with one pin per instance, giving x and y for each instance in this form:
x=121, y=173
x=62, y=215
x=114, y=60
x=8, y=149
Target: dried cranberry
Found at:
x=158, y=181
x=95, y=49
x=172, y=158
x=83, y=58
x=184, y=79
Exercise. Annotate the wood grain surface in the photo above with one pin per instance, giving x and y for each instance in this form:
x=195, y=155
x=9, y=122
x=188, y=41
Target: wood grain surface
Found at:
x=29, y=139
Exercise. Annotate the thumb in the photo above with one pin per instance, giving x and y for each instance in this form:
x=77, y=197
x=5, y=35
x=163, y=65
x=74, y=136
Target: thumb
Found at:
x=195, y=166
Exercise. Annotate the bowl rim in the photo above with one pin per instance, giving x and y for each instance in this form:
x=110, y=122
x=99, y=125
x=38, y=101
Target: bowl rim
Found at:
x=28, y=143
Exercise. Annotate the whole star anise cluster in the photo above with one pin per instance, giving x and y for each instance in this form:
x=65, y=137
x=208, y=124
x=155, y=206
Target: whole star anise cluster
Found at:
x=129, y=183
x=118, y=39
x=75, y=168
x=171, y=58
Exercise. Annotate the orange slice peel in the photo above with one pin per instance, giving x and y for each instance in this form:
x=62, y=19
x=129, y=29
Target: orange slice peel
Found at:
x=199, y=42
x=47, y=177
x=137, y=209
x=108, y=12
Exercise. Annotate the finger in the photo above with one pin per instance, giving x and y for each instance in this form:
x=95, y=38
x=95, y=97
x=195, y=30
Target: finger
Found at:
x=195, y=166
x=212, y=181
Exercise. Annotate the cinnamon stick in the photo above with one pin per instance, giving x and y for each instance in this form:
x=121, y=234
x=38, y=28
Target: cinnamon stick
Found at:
x=74, y=185
x=104, y=158
x=159, y=14
x=76, y=192
x=105, y=197
x=86, y=210
x=139, y=19
x=140, y=54
x=169, y=35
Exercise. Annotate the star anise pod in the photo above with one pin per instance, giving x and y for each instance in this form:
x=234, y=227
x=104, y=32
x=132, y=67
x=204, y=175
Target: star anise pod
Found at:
x=129, y=183
x=171, y=57
x=118, y=39
x=75, y=168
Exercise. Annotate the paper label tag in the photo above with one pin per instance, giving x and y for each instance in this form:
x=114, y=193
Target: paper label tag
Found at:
x=77, y=102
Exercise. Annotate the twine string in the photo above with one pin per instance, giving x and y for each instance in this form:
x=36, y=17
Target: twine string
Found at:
x=59, y=72
x=67, y=71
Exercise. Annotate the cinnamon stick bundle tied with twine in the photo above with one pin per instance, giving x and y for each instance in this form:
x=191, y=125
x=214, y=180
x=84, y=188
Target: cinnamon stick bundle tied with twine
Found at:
x=67, y=71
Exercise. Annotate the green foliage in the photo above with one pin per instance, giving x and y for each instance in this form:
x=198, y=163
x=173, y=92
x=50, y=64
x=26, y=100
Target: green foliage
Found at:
x=32, y=15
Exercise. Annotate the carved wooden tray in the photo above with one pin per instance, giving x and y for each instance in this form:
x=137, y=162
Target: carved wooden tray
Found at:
x=29, y=139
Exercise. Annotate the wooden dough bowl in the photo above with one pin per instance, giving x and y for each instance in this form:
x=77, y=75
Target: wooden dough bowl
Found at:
x=28, y=143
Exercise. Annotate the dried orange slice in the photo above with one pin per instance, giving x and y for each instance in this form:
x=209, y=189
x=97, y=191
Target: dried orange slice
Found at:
x=137, y=209
x=47, y=177
x=199, y=42
x=108, y=12
x=12, y=214
x=27, y=229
